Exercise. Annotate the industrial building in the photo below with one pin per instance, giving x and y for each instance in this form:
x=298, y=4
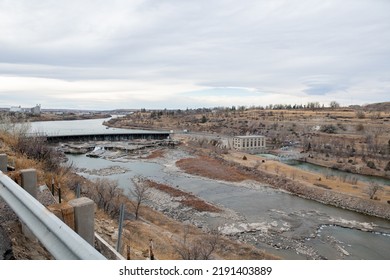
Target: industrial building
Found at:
x=249, y=143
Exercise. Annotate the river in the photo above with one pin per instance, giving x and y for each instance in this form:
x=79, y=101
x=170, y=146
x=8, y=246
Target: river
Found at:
x=276, y=221
x=329, y=171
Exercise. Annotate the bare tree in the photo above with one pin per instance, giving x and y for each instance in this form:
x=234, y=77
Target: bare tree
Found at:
x=8, y=125
x=293, y=175
x=334, y=104
x=199, y=248
x=140, y=193
x=107, y=195
x=372, y=189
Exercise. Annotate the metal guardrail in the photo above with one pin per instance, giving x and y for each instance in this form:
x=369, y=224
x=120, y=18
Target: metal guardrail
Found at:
x=59, y=239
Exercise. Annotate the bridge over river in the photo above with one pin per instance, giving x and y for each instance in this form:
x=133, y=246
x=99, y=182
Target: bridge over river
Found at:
x=105, y=136
x=90, y=130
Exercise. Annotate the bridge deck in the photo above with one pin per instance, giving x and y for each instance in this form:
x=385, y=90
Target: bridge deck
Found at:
x=108, y=136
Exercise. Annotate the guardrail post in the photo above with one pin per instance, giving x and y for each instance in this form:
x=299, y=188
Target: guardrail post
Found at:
x=3, y=162
x=29, y=184
x=29, y=181
x=84, y=218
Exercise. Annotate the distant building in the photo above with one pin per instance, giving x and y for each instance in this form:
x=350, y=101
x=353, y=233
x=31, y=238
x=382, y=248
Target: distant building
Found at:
x=34, y=110
x=14, y=109
x=250, y=143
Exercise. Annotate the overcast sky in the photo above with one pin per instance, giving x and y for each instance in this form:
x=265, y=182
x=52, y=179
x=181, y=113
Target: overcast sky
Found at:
x=95, y=54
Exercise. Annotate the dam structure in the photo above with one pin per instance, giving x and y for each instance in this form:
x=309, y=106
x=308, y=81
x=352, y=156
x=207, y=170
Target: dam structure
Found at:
x=105, y=136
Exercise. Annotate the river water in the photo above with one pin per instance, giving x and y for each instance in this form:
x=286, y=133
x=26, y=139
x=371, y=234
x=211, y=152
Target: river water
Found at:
x=74, y=127
x=278, y=222
x=329, y=171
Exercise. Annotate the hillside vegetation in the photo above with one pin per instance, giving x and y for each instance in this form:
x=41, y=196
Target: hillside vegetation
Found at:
x=352, y=139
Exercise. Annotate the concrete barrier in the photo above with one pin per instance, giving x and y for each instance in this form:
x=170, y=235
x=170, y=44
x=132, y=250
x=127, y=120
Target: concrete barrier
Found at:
x=29, y=181
x=29, y=184
x=3, y=162
x=84, y=218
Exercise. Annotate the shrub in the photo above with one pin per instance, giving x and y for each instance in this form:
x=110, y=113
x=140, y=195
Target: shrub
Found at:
x=360, y=127
x=373, y=189
x=360, y=115
x=387, y=168
x=342, y=126
x=37, y=148
x=107, y=195
x=371, y=165
x=329, y=128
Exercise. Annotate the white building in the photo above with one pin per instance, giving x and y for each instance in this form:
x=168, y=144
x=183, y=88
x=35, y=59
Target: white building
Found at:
x=250, y=143
x=14, y=109
x=36, y=110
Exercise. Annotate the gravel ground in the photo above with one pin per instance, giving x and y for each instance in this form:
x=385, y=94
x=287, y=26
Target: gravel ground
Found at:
x=5, y=242
x=13, y=243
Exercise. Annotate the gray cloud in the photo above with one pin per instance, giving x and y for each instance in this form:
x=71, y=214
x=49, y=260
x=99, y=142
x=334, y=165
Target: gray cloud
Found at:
x=304, y=50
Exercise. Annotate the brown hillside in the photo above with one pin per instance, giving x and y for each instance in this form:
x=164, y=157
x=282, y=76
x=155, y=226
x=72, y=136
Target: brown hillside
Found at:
x=383, y=106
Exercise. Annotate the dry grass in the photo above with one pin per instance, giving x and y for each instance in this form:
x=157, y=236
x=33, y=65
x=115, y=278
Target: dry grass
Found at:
x=210, y=168
x=167, y=234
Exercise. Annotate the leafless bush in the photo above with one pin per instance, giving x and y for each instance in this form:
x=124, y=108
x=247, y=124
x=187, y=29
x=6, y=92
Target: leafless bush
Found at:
x=37, y=148
x=107, y=195
x=360, y=114
x=293, y=175
x=140, y=194
x=375, y=115
x=352, y=180
x=387, y=168
x=360, y=127
x=9, y=126
x=329, y=128
x=200, y=248
x=371, y=165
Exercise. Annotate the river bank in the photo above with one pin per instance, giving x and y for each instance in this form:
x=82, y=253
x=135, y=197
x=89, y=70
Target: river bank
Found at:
x=288, y=233
x=353, y=167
